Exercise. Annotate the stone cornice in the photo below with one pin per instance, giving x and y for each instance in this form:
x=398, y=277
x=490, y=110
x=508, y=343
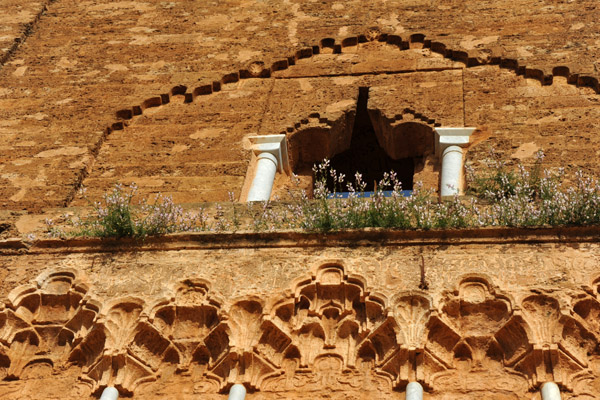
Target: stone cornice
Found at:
x=291, y=239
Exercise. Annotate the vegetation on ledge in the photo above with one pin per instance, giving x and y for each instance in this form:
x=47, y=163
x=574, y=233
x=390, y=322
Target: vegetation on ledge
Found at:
x=497, y=196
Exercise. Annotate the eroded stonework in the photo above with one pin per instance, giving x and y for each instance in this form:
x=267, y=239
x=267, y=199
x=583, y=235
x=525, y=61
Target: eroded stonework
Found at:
x=335, y=330
x=166, y=93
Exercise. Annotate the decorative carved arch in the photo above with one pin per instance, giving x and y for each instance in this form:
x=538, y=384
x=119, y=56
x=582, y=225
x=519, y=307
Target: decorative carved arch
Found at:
x=468, y=341
x=258, y=69
x=43, y=320
x=557, y=342
x=329, y=319
x=399, y=344
x=133, y=343
x=314, y=138
x=328, y=331
x=587, y=313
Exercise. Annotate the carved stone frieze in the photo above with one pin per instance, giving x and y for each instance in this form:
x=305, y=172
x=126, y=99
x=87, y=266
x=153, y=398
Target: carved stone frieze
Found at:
x=132, y=343
x=328, y=332
x=329, y=319
x=42, y=321
x=474, y=314
x=557, y=344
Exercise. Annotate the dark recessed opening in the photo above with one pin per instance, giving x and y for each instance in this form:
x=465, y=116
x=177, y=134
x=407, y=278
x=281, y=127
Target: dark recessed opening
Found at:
x=366, y=156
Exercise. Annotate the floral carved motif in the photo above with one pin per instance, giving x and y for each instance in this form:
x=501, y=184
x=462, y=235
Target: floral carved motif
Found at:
x=130, y=346
x=329, y=320
x=41, y=322
x=475, y=313
x=329, y=332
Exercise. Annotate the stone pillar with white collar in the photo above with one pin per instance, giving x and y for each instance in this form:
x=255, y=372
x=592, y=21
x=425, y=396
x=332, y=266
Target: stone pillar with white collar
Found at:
x=449, y=149
x=271, y=155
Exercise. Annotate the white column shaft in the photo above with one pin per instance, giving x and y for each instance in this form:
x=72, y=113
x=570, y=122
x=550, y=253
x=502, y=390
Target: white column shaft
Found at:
x=550, y=391
x=237, y=392
x=414, y=391
x=262, y=184
x=452, y=166
x=109, y=393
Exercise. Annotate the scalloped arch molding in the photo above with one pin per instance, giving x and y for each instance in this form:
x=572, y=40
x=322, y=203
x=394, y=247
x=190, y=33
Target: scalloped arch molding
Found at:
x=259, y=70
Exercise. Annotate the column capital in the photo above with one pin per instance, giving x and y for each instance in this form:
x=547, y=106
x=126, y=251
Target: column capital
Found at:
x=449, y=136
x=274, y=144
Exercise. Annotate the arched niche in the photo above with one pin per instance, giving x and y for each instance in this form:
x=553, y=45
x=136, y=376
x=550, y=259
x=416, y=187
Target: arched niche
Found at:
x=363, y=140
x=294, y=96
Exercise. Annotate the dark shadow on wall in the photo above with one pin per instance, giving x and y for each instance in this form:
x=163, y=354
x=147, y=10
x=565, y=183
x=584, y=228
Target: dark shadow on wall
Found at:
x=367, y=141
x=366, y=156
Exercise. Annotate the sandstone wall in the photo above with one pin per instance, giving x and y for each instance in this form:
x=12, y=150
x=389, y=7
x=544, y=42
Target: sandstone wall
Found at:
x=196, y=151
x=85, y=61
x=166, y=93
x=471, y=314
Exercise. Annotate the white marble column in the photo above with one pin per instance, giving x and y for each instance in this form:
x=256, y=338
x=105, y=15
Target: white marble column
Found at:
x=449, y=149
x=271, y=156
x=262, y=184
x=550, y=391
x=414, y=391
x=237, y=392
x=109, y=393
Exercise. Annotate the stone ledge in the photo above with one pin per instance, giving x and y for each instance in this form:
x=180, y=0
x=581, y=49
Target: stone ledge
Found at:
x=283, y=239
